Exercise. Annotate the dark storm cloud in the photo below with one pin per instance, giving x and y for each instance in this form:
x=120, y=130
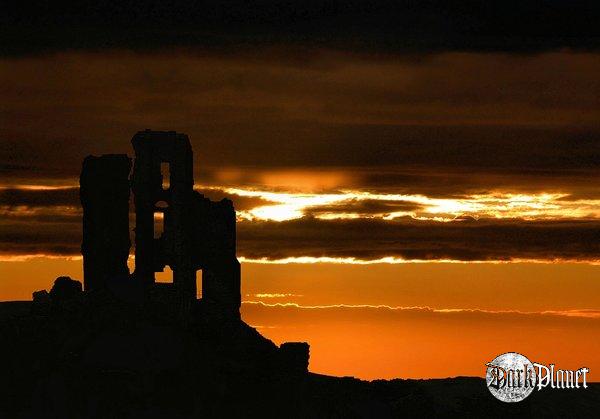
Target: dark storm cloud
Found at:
x=15, y=197
x=457, y=183
x=484, y=114
x=461, y=240
x=471, y=113
x=49, y=234
x=435, y=161
x=364, y=26
x=34, y=217
x=364, y=207
x=366, y=239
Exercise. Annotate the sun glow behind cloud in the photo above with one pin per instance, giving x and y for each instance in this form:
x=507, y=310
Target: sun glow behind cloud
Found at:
x=540, y=206
x=335, y=227
x=285, y=206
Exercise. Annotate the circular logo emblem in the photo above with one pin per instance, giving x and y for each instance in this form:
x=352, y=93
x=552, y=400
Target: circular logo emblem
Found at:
x=510, y=377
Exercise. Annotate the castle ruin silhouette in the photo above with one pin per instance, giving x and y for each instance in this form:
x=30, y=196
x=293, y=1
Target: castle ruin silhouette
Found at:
x=197, y=233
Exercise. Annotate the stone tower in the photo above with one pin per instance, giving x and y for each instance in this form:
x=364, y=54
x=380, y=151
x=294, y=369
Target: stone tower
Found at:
x=196, y=232
x=164, y=200
x=104, y=193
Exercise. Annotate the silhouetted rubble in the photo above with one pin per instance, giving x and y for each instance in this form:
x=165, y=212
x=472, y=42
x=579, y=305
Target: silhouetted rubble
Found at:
x=65, y=288
x=41, y=297
x=295, y=355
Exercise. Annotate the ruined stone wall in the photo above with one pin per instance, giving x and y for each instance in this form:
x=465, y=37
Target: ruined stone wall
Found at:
x=214, y=251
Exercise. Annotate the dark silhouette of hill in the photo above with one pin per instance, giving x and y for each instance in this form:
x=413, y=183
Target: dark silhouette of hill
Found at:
x=97, y=356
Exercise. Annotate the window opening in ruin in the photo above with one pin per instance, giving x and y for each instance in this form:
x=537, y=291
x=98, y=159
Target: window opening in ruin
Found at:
x=165, y=172
x=166, y=276
x=199, y=284
x=159, y=224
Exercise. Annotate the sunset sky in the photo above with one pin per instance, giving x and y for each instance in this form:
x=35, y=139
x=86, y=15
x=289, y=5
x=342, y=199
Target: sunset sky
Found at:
x=417, y=187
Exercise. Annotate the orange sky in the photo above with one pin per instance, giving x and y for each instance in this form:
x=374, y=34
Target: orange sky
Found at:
x=408, y=320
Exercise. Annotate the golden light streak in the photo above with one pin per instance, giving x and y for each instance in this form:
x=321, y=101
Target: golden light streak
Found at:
x=40, y=187
x=30, y=211
x=501, y=205
x=273, y=295
x=346, y=216
x=27, y=258
x=585, y=313
x=289, y=206
x=389, y=260
x=339, y=260
x=274, y=212
x=392, y=260
x=338, y=206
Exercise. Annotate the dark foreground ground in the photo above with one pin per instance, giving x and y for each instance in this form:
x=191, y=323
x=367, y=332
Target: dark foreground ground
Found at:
x=103, y=359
